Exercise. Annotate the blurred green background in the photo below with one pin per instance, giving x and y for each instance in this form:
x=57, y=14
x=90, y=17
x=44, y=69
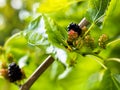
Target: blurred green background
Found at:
x=13, y=14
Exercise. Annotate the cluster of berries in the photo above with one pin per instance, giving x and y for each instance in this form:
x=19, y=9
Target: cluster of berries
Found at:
x=75, y=33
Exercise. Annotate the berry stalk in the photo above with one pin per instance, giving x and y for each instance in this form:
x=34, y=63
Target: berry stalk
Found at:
x=11, y=38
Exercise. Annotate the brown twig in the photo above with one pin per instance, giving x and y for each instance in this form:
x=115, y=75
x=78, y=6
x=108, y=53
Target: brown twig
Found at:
x=45, y=65
x=83, y=22
x=26, y=86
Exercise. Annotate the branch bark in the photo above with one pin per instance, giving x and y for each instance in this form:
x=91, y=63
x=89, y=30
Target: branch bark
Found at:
x=49, y=60
x=26, y=86
x=83, y=22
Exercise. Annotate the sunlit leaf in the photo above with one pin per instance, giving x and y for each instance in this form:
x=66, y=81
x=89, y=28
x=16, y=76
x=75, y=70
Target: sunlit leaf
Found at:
x=77, y=77
x=36, y=33
x=23, y=61
x=43, y=31
x=32, y=25
x=51, y=6
x=47, y=35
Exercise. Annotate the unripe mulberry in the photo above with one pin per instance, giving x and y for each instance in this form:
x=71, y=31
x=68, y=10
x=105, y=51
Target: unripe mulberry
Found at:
x=102, y=41
x=89, y=41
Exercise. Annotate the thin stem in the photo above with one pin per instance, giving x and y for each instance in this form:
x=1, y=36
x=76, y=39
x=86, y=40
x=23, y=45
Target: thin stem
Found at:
x=26, y=86
x=101, y=64
x=88, y=30
x=97, y=56
x=95, y=22
x=99, y=19
x=114, y=59
x=12, y=37
x=99, y=61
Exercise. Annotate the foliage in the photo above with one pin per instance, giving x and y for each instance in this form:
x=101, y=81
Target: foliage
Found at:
x=91, y=64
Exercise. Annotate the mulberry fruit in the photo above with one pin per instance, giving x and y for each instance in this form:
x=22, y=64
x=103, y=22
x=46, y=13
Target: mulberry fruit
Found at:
x=14, y=72
x=102, y=41
x=75, y=27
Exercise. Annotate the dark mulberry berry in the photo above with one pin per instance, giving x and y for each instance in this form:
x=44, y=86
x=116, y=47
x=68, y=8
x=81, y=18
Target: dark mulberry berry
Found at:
x=75, y=27
x=14, y=72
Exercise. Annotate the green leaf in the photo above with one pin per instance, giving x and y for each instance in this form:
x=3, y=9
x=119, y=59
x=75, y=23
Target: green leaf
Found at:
x=56, y=34
x=116, y=78
x=23, y=61
x=44, y=31
x=107, y=82
x=35, y=33
x=33, y=24
x=112, y=50
x=77, y=77
x=111, y=23
x=102, y=80
x=97, y=9
x=113, y=64
x=113, y=7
